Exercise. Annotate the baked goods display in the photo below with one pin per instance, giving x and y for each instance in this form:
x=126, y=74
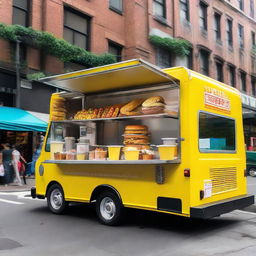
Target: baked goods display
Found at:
x=57, y=108
x=106, y=112
x=152, y=105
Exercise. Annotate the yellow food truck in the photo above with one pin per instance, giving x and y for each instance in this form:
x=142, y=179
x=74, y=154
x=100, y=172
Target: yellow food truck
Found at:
x=130, y=135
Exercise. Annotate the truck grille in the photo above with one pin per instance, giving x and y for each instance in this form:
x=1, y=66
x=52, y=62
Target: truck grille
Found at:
x=223, y=179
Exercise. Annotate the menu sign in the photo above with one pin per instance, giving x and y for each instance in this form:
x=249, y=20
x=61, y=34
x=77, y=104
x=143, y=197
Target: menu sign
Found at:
x=217, y=100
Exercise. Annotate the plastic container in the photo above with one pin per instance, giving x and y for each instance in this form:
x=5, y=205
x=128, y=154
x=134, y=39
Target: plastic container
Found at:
x=101, y=155
x=169, y=141
x=114, y=152
x=69, y=143
x=81, y=156
x=56, y=146
x=82, y=147
x=167, y=152
x=131, y=154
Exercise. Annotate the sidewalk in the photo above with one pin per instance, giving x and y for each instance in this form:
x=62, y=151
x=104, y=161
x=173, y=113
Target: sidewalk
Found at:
x=15, y=188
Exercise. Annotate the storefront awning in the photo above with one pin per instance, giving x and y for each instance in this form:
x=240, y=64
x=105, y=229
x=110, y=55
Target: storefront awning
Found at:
x=15, y=119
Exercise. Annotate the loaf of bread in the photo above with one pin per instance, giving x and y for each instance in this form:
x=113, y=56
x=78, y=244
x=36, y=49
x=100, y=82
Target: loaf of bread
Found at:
x=130, y=108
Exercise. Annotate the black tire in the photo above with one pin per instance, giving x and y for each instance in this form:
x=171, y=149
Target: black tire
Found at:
x=252, y=172
x=56, y=200
x=109, y=209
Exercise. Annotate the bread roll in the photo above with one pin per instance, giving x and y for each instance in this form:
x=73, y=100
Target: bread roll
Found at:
x=153, y=100
x=128, y=109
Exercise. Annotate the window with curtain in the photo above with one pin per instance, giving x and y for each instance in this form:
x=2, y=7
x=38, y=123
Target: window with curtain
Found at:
x=217, y=28
x=252, y=8
x=230, y=32
x=184, y=10
x=76, y=28
x=159, y=8
x=241, y=35
x=20, y=13
x=253, y=84
x=203, y=16
x=241, y=4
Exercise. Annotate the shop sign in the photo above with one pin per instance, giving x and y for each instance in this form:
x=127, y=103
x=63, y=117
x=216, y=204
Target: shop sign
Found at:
x=217, y=100
x=248, y=100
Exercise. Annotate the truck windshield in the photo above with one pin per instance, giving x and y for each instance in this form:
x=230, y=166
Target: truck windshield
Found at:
x=216, y=133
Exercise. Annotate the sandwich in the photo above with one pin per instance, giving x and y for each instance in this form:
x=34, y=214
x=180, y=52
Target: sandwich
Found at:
x=136, y=135
x=153, y=105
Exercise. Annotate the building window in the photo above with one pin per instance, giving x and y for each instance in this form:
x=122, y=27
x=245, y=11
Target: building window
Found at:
x=185, y=61
x=253, y=82
x=115, y=49
x=159, y=8
x=203, y=16
x=163, y=58
x=232, y=75
x=20, y=12
x=184, y=10
x=204, y=62
x=252, y=8
x=241, y=4
x=219, y=70
x=217, y=18
x=76, y=28
x=241, y=35
x=253, y=38
x=116, y=5
x=230, y=32
x=243, y=81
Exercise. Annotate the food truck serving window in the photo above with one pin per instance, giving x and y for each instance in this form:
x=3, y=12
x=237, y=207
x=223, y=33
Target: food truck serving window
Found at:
x=216, y=133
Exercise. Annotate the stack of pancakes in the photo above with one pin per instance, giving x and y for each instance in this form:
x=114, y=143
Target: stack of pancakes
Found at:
x=136, y=136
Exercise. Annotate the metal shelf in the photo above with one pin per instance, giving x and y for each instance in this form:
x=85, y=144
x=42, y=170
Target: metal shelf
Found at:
x=162, y=115
x=113, y=162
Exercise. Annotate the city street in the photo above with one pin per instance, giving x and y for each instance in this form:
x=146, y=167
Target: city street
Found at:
x=28, y=228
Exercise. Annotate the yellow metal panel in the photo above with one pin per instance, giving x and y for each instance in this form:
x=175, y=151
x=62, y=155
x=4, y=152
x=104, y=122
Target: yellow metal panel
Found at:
x=129, y=74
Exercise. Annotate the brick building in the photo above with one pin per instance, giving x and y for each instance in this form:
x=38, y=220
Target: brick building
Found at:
x=222, y=34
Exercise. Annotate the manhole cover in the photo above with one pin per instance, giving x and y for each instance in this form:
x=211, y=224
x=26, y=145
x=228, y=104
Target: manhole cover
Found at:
x=7, y=244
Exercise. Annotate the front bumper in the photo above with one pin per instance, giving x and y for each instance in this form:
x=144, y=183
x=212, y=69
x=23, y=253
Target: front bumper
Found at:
x=206, y=211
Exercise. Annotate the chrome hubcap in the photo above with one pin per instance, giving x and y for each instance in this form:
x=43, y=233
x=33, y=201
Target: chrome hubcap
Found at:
x=56, y=199
x=107, y=208
x=252, y=172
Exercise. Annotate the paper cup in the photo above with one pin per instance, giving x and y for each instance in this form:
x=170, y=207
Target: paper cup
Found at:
x=114, y=152
x=132, y=155
x=167, y=152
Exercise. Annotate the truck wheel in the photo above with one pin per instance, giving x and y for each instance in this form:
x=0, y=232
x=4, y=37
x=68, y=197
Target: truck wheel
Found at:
x=252, y=172
x=55, y=199
x=109, y=209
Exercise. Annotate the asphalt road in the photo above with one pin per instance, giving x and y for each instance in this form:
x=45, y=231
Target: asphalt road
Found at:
x=28, y=228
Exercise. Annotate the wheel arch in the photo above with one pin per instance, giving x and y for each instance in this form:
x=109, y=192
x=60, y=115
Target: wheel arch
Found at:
x=102, y=188
x=52, y=183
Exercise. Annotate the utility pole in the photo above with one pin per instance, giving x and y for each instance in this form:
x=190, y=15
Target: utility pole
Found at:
x=17, y=74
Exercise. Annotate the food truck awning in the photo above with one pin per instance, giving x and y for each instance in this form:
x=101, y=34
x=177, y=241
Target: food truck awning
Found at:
x=15, y=119
x=122, y=75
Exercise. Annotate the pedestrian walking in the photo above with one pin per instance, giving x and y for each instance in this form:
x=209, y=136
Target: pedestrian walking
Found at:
x=7, y=163
x=16, y=157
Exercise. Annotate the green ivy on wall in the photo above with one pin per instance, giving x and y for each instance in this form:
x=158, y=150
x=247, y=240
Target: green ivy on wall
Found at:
x=178, y=46
x=49, y=44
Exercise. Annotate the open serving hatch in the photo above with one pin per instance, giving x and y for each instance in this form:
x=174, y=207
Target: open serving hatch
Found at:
x=118, y=76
